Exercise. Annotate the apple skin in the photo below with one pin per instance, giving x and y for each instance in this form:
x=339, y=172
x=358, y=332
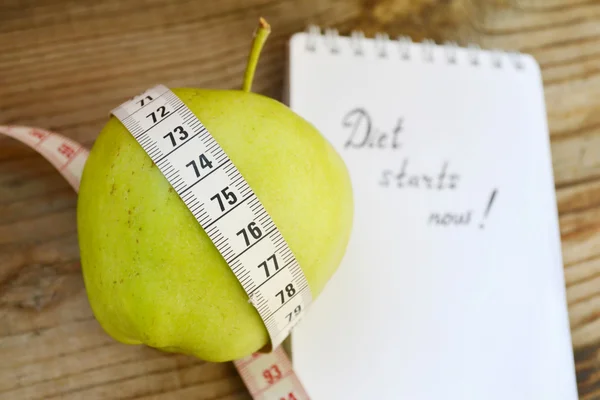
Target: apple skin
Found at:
x=154, y=277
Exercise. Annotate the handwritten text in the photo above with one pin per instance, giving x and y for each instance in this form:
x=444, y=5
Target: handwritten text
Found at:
x=363, y=134
x=405, y=177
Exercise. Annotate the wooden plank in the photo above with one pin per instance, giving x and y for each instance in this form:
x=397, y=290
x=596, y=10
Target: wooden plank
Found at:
x=575, y=157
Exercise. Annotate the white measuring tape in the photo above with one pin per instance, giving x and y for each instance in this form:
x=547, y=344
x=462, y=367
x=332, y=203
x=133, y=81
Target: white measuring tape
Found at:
x=223, y=204
x=266, y=375
x=67, y=156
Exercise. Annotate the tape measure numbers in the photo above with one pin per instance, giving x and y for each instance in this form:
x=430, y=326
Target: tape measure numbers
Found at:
x=67, y=156
x=271, y=377
x=223, y=204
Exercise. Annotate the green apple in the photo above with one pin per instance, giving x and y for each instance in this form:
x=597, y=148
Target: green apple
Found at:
x=153, y=276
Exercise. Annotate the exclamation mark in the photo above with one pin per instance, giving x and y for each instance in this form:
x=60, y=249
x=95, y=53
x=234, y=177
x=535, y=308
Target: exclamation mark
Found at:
x=489, y=207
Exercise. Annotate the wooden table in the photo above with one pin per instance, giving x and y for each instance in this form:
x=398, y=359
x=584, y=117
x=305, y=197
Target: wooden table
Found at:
x=64, y=64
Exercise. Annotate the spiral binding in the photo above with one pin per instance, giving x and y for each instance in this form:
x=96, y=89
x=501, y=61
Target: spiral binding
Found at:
x=384, y=47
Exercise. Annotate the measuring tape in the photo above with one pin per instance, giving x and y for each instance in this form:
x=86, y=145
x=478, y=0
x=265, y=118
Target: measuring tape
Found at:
x=224, y=205
x=64, y=154
x=266, y=375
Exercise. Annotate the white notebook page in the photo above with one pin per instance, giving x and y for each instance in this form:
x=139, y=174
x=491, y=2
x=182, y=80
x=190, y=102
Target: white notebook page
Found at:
x=452, y=285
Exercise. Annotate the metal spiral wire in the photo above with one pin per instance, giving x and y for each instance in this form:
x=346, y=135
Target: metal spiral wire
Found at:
x=329, y=41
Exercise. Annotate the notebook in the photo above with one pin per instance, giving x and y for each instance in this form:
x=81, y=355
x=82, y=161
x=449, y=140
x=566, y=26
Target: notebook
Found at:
x=452, y=285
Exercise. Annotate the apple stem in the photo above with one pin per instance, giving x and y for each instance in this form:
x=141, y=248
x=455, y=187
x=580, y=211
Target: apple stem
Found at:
x=260, y=37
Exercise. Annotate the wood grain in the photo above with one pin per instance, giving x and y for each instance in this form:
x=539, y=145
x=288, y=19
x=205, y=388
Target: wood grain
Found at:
x=64, y=63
